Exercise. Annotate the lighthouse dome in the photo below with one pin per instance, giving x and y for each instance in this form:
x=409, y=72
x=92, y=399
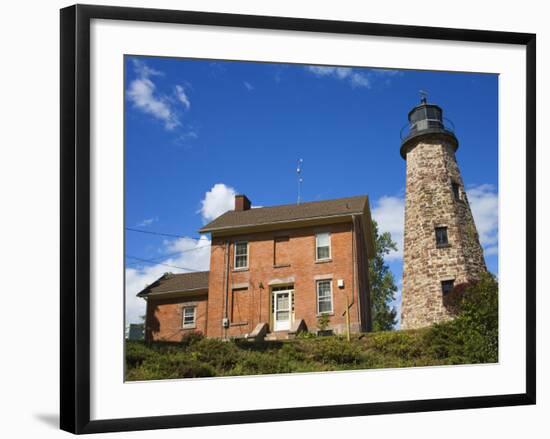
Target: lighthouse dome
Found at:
x=426, y=119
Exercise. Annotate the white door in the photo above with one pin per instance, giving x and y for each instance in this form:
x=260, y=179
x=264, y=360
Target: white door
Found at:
x=281, y=310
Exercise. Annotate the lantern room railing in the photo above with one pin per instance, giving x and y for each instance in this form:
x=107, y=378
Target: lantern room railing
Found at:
x=428, y=125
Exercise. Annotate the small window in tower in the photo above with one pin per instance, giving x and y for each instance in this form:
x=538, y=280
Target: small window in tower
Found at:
x=456, y=191
x=447, y=286
x=441, y=239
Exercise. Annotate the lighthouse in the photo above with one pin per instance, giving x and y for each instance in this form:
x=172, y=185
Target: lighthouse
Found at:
x=441, y=242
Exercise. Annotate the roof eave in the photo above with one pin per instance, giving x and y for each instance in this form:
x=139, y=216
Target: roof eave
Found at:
x=300, y=222
x=174, y=293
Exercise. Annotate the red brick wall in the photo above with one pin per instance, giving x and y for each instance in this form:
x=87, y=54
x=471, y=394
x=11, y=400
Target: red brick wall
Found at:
x=164, y=321
x=262, y=270
x=282, y=250
x=240, y=305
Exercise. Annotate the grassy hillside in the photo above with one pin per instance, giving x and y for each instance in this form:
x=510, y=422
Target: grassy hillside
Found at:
x=472, y=337
x=202, y=357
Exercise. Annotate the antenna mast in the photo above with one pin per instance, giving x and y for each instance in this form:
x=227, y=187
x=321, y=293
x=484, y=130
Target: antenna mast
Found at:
x=300, y=179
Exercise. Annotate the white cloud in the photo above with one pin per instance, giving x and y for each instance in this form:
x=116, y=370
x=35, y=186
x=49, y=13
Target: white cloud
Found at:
x=142, y=92
x=188, y=135
x=147, y=222
x=484, y=204
x=389, y=213
x=387, y=72
x=143, y=70
x=248, y=86
x=360, y=80
x=217, y=200
x=396, y=303
x=190, y=254
x=182, y=96
x=356, y=79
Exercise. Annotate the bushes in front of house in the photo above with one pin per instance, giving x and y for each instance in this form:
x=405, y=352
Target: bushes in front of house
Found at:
x=169, y=365
x=472, y=337
x=212, y=357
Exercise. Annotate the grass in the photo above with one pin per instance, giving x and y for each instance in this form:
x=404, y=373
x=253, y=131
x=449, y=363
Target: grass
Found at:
x=201, y=357
x=470, y=338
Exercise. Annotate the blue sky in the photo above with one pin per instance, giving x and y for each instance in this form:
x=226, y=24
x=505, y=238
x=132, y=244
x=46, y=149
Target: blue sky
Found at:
x=197, y=131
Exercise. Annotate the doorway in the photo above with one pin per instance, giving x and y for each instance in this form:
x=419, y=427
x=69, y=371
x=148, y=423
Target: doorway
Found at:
x=282, y=308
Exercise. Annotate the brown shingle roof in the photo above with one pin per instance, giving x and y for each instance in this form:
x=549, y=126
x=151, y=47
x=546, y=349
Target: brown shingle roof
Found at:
x=179, y=282
x=287, y=212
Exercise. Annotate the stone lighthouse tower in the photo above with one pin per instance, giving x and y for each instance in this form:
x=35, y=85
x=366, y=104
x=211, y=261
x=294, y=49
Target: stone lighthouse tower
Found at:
x=441, y=246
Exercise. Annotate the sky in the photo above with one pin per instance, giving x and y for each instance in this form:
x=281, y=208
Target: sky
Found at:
x=199, y=131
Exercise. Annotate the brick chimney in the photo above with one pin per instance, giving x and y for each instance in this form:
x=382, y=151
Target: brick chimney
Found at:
x=241, y=203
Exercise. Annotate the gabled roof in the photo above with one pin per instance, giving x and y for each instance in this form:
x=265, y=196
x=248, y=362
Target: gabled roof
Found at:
x=287, y=213
x=177, y=283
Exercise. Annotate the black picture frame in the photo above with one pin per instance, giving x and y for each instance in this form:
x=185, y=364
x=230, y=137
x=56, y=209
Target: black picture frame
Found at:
x=75, y=217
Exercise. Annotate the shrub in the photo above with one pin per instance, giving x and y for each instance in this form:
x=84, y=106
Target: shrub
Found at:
x=170, y=367
x=292, y=351
x=322, y=322
x=222, y=355
x=190, y=338
x=334, y=350
x=259, y=363
x=472, y=337
x=404, y=345
x=137, y=353
x=305, y=335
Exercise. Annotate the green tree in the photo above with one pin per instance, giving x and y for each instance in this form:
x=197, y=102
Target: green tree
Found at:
x=382, y=283
x=472, y=336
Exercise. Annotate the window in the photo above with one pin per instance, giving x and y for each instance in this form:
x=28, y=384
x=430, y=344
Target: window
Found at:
x=322, y=246
x=188, y=316
x=456, y=190
x=447, y=286
x=324, y=296
x=441, y=239
x=241, y=254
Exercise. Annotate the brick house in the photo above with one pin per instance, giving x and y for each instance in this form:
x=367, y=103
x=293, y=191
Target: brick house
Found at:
x=273, y=270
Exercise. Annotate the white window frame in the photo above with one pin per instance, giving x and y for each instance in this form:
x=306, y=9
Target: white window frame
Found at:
x=235, y=255
x=329, y=257
x=189, y=325
x=317, y=283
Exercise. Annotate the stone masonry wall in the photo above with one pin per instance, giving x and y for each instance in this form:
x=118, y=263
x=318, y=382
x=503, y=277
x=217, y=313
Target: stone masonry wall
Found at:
x=430, y=203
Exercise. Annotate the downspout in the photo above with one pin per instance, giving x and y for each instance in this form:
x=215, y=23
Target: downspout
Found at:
x=147, y=335
x=226, y=287
x=355, y=281
x=206, y=315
